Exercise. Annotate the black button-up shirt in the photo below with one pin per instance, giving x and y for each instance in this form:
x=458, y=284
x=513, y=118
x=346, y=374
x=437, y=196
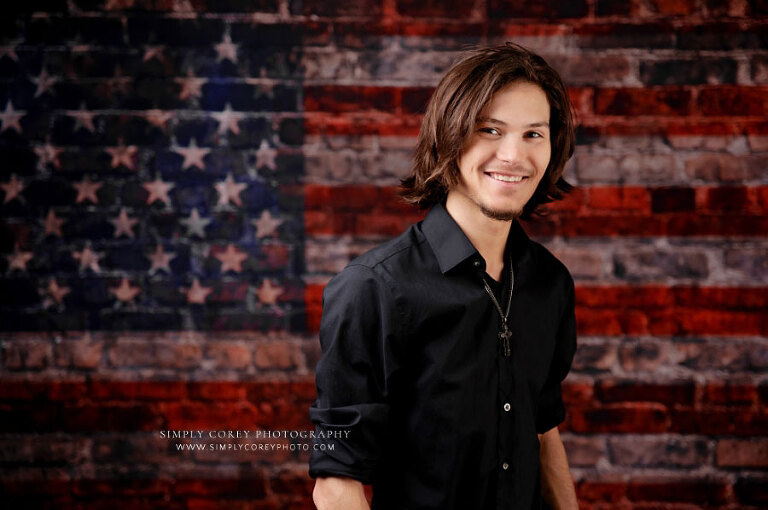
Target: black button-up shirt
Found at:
x=436, y=417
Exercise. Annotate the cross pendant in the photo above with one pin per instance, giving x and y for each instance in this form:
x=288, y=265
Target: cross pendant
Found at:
x=505, y=335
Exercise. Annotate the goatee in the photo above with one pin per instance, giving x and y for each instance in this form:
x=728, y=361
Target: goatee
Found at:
x=496, y=214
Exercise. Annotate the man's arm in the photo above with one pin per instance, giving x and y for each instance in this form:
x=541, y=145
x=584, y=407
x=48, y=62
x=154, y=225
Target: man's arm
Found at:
x=556, y=482
x=337, y=493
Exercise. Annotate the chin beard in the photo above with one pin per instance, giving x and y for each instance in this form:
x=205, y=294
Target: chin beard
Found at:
x=498, y=215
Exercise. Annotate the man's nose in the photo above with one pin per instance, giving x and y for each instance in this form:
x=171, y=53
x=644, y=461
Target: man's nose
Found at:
x=509, y=149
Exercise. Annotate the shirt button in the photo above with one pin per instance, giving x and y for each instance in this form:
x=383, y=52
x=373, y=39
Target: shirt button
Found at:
x=505, y=466
x=507, y=407
x=477, y=263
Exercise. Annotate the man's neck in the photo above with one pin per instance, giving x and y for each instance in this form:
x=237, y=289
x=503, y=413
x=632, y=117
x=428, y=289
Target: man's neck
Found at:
x=487, y=235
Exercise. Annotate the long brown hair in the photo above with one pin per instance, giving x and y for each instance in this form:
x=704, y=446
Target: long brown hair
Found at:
x=452, y=113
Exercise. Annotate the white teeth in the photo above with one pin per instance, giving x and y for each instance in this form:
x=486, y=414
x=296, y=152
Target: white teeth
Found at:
x=507, y=178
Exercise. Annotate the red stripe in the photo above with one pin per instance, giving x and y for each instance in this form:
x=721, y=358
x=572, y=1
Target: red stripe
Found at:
x=647, y=310
x=662, y=110
x=387, y=124
x=103, y=405
x=590, y=211
x=603, y=407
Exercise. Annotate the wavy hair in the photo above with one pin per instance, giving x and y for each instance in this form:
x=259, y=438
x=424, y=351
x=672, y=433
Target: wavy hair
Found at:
x=452, y=112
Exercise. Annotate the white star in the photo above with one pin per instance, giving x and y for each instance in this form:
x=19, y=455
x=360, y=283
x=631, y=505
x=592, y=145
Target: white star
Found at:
x=266, y=224
x=151, y=52
x=12, y=188
x=123, y=155
x=229, y=190
x=88, y=259
x=10, y=51
x=193, y=155
x=160, y=260
x=158, y=118
x=228, y=120
x=123, y=224
x=226, y=49
x=124, y=292
x=197, y=293
x=231, y=259
x=158, y=190
x=268, y=293
x=48, y=154
x=44, y=82
x=53, y=224
x=191, y=86
x=18, y=259
x=86, y=190
x=195, y=224
x=55, y=293
x=83, y=118
x=265, y=156
x=10, y=118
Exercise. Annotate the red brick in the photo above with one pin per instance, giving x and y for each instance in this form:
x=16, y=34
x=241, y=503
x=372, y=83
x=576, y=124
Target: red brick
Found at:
x=728, y=393
x=217, y=390
x=352, y=98
x=733, y=101
x=110, y=417
x=254, y=485
x=453, y=9
x=618, y=418
x=752, y=490
x=750, y=453
x=664, y=200
x=673, y=7
x=736, y=421
x=103, y=389
x=544, y=9
x=625, y=198
x=674, y=392
x=575, y=393
x=134, y=486
x=649, y=101
x=591, y=490
x=731, y=198
x=698, y=491
x=370, y=8
x=214, y=416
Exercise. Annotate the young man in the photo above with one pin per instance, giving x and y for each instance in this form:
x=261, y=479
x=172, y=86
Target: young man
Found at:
x=444, y=349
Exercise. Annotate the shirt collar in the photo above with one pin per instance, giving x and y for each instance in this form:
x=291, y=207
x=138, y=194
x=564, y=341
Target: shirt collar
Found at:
x=452, y=247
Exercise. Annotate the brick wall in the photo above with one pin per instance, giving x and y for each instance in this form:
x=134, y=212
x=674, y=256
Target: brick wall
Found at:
x=181, y=177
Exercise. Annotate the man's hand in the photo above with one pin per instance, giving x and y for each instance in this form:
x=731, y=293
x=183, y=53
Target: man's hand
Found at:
x=337, y=493
x=556, y=482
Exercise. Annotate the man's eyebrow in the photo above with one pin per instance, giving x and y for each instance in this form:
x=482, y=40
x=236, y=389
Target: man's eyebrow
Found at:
x=491, y=120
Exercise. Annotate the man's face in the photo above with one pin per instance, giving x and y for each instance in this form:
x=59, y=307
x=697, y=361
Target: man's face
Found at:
x=508, y=152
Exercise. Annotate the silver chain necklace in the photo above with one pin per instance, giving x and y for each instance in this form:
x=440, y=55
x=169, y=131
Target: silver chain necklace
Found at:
x=505, y=334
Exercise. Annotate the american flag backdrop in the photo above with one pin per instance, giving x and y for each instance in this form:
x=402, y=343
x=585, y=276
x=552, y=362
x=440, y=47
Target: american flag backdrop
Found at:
x=180, y=178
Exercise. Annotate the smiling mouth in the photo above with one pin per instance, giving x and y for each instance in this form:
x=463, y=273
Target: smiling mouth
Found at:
x=506, y=178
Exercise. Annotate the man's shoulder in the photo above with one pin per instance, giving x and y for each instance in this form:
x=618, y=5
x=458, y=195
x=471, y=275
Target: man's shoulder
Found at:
x=388, y=258
x=548, y=264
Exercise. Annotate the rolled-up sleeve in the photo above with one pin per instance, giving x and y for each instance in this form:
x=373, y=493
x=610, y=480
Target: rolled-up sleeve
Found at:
x=551, y=410
x=358, y=334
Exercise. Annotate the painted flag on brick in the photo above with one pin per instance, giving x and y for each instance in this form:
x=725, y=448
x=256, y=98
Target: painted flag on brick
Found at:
x=181, y=178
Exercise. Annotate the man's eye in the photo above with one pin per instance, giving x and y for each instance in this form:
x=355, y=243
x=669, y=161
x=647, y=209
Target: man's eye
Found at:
x=490, y=131
x=534, y=134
